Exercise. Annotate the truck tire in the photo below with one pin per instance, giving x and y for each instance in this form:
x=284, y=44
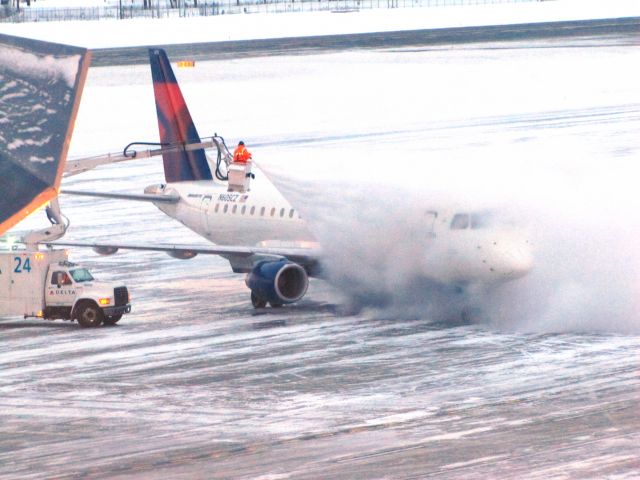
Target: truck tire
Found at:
x=88, y=314
x=112, y=320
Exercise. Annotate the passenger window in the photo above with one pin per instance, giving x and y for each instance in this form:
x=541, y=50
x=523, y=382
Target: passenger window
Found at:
x=217, y=207
x=253, y=210
x=226, y=208
x=460, y=221
x=234, y=209
x=244, y=209
x=262, y=211
x=282, y=212
x=291, y=213
x=273, y=211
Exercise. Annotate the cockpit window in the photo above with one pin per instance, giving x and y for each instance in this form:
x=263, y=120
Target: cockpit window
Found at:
x=474, y=220
x=481, y=220
x=81, y=275
x=460, y=221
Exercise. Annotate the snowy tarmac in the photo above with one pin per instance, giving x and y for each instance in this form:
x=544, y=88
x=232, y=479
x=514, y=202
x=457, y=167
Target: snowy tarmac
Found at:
x=420, y=38
x=196, y=384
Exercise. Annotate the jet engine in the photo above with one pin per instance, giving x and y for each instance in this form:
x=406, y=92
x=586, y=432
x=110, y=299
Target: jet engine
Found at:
x=105, y=249
x=181, y=254
x=277, y=282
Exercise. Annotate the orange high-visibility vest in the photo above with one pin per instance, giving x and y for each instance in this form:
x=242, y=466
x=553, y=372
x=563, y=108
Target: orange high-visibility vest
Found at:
x=241, y=154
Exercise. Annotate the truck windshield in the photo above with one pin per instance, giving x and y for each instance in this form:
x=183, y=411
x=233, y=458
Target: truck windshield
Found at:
x=81, y=275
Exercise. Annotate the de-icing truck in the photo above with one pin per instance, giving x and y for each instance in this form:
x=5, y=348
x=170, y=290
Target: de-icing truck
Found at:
x=45, y=284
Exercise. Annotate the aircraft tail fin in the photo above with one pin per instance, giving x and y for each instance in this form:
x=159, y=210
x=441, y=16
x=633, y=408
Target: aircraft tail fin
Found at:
x=175, y=124
x=40, y=88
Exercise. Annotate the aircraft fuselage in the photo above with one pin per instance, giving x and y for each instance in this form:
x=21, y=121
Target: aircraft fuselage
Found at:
x=452, y=248
x=260, y=216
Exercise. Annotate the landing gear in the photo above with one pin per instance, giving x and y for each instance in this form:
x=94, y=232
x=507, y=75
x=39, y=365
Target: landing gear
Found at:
x=257, y=302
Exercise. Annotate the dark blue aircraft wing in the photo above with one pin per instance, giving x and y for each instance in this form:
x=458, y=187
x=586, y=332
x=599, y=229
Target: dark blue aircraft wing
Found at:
x=40, y=88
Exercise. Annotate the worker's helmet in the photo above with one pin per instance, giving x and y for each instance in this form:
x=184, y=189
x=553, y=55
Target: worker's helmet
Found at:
x=240, y=142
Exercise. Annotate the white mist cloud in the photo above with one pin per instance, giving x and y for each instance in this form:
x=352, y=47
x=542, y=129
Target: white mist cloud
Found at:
x=572, y=188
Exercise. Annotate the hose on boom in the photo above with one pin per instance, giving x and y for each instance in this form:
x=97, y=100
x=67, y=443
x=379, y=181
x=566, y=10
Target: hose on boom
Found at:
x=220, y=143
x=222, y=155
x=133, y=153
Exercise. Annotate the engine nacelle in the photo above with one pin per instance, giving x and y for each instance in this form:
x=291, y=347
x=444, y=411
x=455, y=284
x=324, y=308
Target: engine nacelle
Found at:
x=278, y=282
x=181, y=254
x=105, y=250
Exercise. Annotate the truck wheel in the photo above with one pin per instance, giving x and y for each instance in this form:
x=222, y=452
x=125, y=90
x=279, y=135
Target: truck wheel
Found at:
x=257, y=302
x=88, y=314
x=112, y=320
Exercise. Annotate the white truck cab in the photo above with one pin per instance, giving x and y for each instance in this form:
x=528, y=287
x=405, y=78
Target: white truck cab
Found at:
x=44, y=284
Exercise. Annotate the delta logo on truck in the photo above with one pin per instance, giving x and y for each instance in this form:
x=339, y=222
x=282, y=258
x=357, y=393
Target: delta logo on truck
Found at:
x=44, y=284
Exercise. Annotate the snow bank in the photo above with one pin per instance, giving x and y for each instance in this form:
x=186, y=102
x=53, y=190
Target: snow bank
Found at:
x=119, y=33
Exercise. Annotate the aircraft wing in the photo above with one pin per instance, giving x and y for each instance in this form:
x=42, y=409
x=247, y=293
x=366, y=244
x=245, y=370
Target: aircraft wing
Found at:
x=40, y=88
x=241, y=258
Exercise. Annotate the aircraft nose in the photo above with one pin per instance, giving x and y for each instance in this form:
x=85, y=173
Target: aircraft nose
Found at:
x=518, y=259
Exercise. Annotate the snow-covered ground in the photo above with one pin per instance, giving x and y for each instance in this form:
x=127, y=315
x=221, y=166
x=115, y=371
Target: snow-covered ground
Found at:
x=116, y=33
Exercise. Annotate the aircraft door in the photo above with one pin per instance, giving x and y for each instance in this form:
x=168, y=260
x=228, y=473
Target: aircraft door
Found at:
x=430, y=223
x=205, y=206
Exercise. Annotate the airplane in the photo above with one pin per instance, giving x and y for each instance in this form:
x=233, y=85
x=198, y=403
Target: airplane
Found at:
x=252, y=225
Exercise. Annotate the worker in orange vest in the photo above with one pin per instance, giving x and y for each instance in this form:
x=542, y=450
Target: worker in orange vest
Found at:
x=241, y=154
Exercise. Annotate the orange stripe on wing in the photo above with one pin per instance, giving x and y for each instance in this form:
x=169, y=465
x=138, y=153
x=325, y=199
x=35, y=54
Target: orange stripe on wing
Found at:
x=33, y=206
